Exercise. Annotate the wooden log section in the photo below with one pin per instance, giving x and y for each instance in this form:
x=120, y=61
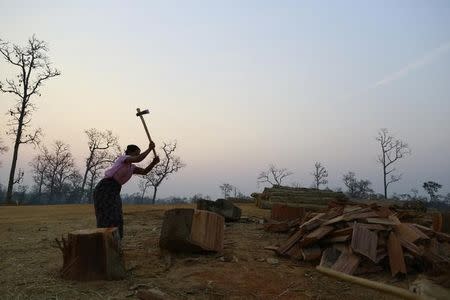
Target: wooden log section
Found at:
x=189, y=230
x=92, y=254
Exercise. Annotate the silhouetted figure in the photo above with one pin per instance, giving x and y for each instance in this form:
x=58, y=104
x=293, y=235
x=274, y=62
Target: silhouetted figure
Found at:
x=107, y=201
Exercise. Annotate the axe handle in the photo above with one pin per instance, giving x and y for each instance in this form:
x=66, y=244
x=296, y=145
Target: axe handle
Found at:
x=148, y=133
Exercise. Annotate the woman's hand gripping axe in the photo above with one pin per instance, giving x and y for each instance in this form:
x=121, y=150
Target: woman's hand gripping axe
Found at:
x=140, y=114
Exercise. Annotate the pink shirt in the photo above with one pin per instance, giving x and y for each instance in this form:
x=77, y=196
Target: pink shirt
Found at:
x=120, y=170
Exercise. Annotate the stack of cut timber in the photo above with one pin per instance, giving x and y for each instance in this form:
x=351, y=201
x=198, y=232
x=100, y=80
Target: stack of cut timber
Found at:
x=190, y=230
x=358, y=238
x=312, y=199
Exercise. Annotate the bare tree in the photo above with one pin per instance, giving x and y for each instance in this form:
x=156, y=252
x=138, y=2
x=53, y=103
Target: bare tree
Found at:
x=143, y=185
x=169, y=164
x=19, y=177
x=432, y=189
x=391, y=151
x=226, y=189
x=273, y=175
x=103, y=148
x=34, y=69
x=99, y=161
x=359, y=189
x=39, y=167
x=320, y=175
x=3, y=149
x=296, y=184
x=60, y=168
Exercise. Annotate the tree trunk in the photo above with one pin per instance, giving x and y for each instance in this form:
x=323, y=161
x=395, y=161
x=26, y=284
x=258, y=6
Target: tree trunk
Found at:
x=155, y=189
x=92, y=254
x=91, y=187
x=41, y=181
x=143, y=194
x=15, y=155
x=86, y=173
x=384, y=172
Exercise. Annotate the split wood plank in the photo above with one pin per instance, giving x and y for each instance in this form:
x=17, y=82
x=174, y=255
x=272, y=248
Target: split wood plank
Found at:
x=411, y=247
x=378, y=227
x=437, y=222
x=315, y=235
x=336, y=239
x=364, y=242
x=346, y=263
x=341, y=232
x=396, y=258
x=405, y=231
x=384, y=212
x=290, y=242
x=381, y=221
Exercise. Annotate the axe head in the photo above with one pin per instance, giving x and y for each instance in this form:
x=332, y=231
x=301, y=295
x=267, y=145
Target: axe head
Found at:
x=142, y=112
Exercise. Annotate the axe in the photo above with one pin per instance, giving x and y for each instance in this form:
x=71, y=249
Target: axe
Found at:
x=140, y=114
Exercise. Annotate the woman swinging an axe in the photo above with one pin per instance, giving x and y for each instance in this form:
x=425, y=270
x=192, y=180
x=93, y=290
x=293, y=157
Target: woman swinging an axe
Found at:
x=107, y=201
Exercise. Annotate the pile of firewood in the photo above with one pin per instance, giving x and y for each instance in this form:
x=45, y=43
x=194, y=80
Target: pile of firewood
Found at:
x=359, y=238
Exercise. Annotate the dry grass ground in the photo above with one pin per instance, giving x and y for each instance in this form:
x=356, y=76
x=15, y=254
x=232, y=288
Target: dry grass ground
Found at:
x=29, y=262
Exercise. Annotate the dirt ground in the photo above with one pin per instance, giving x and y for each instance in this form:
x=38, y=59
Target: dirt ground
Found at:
x=30, y=262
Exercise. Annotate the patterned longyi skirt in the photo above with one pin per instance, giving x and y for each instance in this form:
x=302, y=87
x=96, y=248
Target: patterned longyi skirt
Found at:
x=108, y=204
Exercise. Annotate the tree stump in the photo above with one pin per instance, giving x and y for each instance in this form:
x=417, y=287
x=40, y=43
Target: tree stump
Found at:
x=190, y=230
x=92, y=254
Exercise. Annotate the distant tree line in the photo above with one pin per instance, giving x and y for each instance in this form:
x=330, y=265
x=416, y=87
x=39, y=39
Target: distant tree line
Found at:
x=391, y=151
x=56, y=178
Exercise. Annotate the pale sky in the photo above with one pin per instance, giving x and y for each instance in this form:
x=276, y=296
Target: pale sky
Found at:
x=242, y=84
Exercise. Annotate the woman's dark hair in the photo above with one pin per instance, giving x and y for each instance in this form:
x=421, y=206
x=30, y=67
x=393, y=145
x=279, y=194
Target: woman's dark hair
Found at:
x=131, y=148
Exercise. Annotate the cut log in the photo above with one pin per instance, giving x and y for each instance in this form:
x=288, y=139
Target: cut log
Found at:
x=189, y=230
x=223, y=207
x=364, y=242
x=395, y=252
x=281, y=212
x=92, y=254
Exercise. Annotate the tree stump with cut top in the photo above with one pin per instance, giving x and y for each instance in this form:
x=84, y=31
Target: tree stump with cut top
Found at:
x=92, y=254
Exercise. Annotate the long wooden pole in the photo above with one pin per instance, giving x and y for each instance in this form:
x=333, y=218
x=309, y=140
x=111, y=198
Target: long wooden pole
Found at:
x=393, y=290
